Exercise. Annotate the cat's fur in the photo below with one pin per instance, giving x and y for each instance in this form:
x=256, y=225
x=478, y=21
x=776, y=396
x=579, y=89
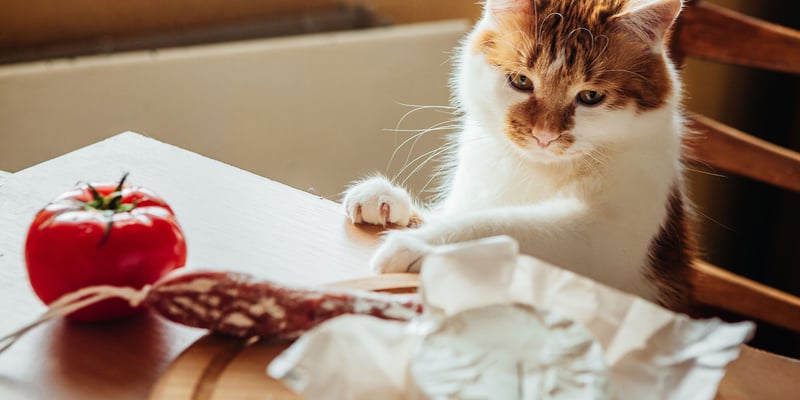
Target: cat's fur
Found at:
x=596, y=189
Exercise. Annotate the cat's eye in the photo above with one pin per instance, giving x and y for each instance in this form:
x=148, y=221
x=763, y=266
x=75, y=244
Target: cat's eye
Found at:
x=520, y=82
x=590, y=97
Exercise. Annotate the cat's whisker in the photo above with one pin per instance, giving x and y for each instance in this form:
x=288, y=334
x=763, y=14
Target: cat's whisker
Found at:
x=604, y=81
x=636, y=74
x=702, y=163
x=433, y=128
x=415, y=109
x=704, y=172
x=591, y=35
x=418, y=107
x=545, y=19
x=536, y=30
x=415, y=138
x=522, y=45
x=600, y=53
x=451, y=58
x=430, y=155
x=605, y=44
x=420, y=166
x=397, y=149
x=524, y=49
x=435, y=175
x=595, y=158
x=591, y=163
x=439, y=126
x=708, y=217
x=409, y=164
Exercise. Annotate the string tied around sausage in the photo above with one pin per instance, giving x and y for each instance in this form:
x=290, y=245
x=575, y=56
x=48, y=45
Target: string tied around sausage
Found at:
x=235, y=304
x=75, y=301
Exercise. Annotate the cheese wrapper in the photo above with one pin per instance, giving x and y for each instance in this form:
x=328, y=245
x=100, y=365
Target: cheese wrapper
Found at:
x=641, y=351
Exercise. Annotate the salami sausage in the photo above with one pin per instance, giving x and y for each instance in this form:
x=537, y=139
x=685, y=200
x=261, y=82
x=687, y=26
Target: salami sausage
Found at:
x=235, y=304
x=240, y=305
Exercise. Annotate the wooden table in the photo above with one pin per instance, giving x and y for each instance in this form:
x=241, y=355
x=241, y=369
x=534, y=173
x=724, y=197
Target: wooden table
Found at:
x=232, y=220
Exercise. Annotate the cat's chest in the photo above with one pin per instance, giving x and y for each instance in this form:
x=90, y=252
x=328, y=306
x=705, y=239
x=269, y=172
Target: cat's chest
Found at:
x=485, y=180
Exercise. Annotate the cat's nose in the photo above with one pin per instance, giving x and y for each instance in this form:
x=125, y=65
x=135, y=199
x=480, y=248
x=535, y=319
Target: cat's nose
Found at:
x=544, y=138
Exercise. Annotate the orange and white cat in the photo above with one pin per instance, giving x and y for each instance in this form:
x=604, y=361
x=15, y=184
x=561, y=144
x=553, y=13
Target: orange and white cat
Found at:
x=570, y=143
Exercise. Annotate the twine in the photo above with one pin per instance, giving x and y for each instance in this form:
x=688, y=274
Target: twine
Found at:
x=75, y=301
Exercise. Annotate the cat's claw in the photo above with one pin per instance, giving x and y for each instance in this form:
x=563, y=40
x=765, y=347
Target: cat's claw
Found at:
x=401, y=251
x=376, y=201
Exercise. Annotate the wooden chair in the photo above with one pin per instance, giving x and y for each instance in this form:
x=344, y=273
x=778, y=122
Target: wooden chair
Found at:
x=710, y=32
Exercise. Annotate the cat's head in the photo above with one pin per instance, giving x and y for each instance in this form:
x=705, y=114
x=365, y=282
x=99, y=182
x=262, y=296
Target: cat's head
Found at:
x=561, y=78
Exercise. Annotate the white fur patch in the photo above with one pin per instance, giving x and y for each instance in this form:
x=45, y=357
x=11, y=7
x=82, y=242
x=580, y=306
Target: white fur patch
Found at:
x=377, y=201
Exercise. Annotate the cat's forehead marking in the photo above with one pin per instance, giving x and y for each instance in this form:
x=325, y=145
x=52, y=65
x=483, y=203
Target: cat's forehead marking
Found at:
x=558, y=36
x=565, y=38
x=573, y=42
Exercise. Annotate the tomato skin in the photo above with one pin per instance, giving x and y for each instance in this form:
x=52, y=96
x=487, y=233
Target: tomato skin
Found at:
x=69, y=246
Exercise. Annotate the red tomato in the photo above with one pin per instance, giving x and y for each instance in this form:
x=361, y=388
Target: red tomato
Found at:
x=102, y=234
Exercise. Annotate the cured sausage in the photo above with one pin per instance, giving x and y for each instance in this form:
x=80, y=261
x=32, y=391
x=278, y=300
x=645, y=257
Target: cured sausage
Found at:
x=240, y=305
x=235, y=304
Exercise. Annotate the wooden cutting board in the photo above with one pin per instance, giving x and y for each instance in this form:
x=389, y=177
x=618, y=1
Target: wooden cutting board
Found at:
x=218, y=367
x=223, y=368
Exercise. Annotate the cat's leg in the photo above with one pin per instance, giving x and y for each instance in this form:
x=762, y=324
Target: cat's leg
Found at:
x=377, y=201
x=543, y=229
x=609, y=249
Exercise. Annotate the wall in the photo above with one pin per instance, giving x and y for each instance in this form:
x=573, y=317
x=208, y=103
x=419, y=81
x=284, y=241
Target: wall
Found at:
x=217, y=100
x=313, y=111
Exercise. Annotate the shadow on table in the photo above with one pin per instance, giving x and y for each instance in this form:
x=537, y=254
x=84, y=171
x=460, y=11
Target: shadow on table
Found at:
x=124, y=356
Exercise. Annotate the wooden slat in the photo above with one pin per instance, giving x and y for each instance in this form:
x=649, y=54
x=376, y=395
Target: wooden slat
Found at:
x=713, y=286
x=721, y=146
x=715, y=33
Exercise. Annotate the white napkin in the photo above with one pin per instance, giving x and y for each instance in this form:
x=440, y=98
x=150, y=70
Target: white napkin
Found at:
x=651, y=352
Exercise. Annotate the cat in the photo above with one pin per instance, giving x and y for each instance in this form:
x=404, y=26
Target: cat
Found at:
x=570, y=142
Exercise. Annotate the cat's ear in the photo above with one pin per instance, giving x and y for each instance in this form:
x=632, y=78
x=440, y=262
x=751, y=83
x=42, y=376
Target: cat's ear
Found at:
x=497, y=7
x=650, y=19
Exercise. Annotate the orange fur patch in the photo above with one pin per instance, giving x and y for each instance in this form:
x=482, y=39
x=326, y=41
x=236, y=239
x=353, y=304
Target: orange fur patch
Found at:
x=572, y=46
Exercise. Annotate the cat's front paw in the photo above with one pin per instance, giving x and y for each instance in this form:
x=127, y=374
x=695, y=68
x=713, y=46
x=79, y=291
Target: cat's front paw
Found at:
x=376, y=201
x=401, y=251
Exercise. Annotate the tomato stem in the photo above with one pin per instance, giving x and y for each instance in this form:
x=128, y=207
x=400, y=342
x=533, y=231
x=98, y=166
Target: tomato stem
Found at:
x=111, y=201
x=116, y=196
x=111, y=204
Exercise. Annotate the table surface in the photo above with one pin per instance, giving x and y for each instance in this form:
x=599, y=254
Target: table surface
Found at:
x=233, y=220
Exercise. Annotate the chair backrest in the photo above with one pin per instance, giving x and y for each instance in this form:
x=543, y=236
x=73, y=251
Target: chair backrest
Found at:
x=709, y=32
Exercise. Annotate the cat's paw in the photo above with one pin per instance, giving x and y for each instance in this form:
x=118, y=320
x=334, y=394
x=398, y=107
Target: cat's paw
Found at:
x=401, y=251
x=376, y=201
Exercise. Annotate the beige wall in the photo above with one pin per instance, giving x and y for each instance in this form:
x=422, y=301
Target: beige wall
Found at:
x=312, y=111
